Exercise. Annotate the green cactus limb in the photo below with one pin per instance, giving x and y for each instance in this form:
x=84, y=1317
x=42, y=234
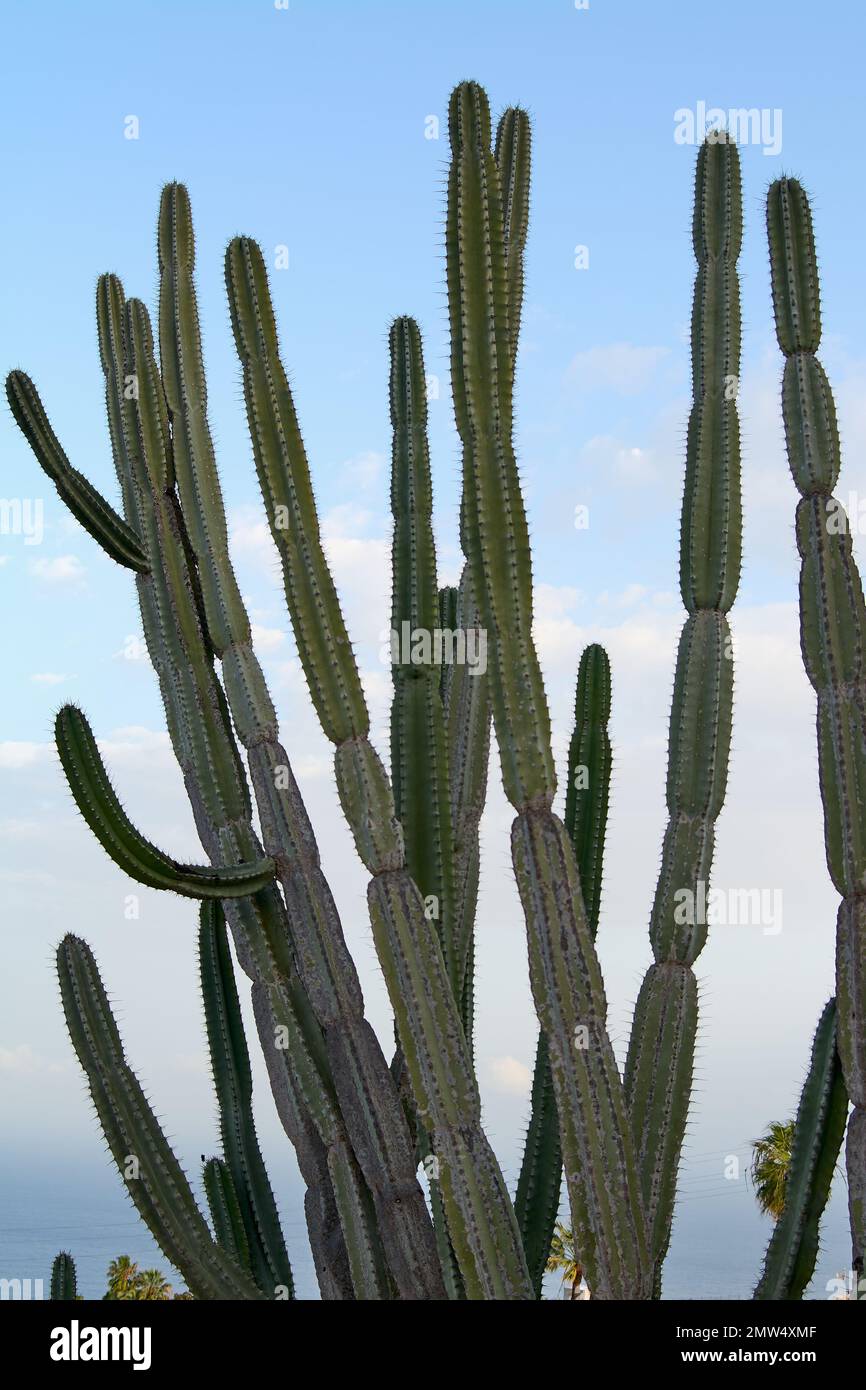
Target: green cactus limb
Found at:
x=64, y=1285
x=832, y=632
x=598, y=1151
x=536, y=1201
x=96, y=515
x=419, y=761
x=225, y=1211
x=98, y=803
x=513, y=152
x=493, y=512
x=658, y=1082
x=480, y=1217
x=566, y=981
x=468, y=716
x=376, y=1125
x=281, y=463
x=585, y=820
x=658, y=1073
x=233, y=1081
x=419, y=754
x=818, y=1133
x=154, y=1179
x=201, y=736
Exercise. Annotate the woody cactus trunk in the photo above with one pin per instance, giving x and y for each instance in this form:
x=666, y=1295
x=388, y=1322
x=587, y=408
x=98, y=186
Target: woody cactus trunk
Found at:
x=361, y=1126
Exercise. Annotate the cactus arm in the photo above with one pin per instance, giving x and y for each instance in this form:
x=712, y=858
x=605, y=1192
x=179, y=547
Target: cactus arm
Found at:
x=513, y=151
x=88, y=507
x=225, y=1212
x=323, y=643
x=419, y=765
x=589, y=767
x=585, y=820
x=154, y=1179
x=659, y=1066
x=64, y=1285
x=536, y=1200
x=467, y=713
x=230, y=1061
x=97, y=801
x=344, y=1247
x=600, y=1165
x=480, y=1217
x=375, y=1124
x=818, y=1132
x=833, y=640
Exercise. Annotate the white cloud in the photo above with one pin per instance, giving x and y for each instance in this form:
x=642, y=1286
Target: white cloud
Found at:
x=14, y=755
x=620, y=367
x=48, y=678
x=63, y=569
x=266, y=639
x=510, y=1076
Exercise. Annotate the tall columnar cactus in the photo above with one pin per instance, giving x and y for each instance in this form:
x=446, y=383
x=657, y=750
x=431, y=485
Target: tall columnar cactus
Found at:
x=359, y=1126
x=64, y=1285
x=600, y=1167
x=480, y=1217
x=589, y=764
x=833, y=639
x=658, y=1074
x=154, y=1179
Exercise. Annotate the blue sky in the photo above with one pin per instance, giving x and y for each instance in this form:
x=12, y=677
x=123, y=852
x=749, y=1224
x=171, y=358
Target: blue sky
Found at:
x=306, y=128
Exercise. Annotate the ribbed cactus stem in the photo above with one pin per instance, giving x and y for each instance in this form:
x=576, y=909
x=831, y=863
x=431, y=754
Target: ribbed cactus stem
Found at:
x=154, y=1179
x=513, y=154
x=376, y=1127
x=64, y=1285
x=818, y=1133
x=225, y=1211
x=419, y=758
x=589, y=764
x=566, y=980
x=203, y=742
x=84, y=502
x=833, y=639
x=658, y=1073
x=98, y=803
x=467, y=714
x=230, y=1062
x=480, y=1218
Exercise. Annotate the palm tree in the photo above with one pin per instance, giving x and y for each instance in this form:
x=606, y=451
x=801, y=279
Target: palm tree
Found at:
x=152, y=1285
x=563, y=1258
x=127, y=1282
x=122, y=1275
x=771, y=1160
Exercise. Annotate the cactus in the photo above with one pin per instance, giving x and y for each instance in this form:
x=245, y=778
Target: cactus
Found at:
x=359, y=1126
x=64, y=1286
x=658, y=1072
x=833, y=640
x=818, y=1133
x=589, y=764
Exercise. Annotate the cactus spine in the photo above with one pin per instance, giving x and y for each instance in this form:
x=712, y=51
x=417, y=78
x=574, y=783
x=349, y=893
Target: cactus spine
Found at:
x=833, y=640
